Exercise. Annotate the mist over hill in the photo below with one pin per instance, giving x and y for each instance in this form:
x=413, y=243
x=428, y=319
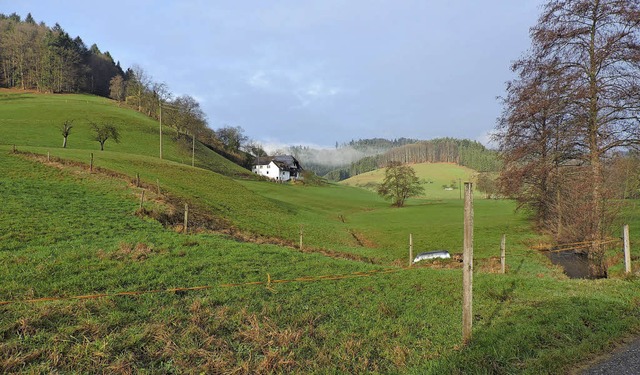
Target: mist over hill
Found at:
x=364, y=155
x=323, y=160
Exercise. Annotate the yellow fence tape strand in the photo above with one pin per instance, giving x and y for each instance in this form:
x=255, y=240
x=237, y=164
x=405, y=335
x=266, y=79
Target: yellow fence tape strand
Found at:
x=267, y=283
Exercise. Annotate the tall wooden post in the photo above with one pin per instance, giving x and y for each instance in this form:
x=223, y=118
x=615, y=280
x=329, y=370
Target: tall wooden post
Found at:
x=142, y=199
x=48, y=156
x=158, y=183
x=410, y=249
x=627, y=249
x=503, y=253
x=91, y=163
x=160, y=116
x=137, y=179
x=186, y=218
x=467, y=264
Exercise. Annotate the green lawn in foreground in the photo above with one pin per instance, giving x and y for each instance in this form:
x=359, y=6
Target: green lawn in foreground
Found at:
x=66, y=232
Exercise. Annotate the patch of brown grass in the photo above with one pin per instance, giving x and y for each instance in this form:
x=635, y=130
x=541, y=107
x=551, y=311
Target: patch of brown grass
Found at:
x=130, y=252
x=488, y=265
x=362, y=240
x=452, y=263
x=12, y=358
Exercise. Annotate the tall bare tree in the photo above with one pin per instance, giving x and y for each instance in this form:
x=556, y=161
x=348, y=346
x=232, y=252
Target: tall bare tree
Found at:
x=138, y=82
x=597, y=43
x=117, y=88
x=594, y=46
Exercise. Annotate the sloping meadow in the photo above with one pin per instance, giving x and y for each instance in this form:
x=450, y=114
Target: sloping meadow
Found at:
x=67, y=232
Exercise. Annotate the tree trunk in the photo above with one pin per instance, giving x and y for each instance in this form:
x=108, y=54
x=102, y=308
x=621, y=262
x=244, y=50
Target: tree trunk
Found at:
x=64, y=143
x=596, y=251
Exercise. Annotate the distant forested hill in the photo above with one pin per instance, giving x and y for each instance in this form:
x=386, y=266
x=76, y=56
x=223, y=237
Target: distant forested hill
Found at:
x=464, y=152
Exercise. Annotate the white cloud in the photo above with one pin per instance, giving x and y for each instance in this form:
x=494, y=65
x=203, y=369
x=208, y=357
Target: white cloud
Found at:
x=259, y=80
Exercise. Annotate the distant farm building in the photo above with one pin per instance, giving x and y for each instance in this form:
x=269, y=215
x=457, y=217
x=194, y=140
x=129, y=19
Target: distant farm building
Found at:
x=279, y=168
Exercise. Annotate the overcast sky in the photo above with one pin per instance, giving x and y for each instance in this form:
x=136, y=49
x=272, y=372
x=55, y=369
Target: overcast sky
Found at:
x=320, y=71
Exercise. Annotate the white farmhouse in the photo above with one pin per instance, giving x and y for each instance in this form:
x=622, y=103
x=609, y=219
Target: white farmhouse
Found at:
x=278, y=168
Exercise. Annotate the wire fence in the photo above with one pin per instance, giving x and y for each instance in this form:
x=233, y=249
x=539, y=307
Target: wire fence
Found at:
x=303, y=279
x=584, y=245
x=268, y=283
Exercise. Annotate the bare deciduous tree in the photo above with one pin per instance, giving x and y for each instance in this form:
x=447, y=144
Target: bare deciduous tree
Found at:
x=585, y=57
x=117, y=88
x=232, y=137
x=65, y=129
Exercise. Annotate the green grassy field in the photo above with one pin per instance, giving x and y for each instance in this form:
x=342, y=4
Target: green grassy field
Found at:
x=434, y=177
x=68, y=232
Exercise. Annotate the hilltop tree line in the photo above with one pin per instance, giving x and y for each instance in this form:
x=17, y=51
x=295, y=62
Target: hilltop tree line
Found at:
x=572, y=119
x=464, y=152
x=34, y=56
x=378, y=143
x=46, y=59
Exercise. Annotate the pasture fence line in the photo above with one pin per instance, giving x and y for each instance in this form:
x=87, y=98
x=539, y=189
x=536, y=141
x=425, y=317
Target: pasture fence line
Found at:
x=268, y=283
x=575, y=246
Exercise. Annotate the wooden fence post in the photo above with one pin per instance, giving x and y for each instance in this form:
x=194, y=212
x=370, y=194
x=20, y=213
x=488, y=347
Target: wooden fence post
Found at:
x=300, y=247
x=91, y=163
x=186, y=218
x=627, y=249
x=137, y=179
x=410, y=249
x=158, y=183
x=503, y=253
x=141, y=199
x=48, y=156
x=467, y=259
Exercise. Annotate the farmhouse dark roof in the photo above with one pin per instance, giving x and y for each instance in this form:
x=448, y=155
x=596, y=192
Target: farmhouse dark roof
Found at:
x=286, y=161
x=262, y=160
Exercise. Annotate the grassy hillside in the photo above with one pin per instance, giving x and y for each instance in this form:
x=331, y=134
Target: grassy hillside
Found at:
x=69, y=232
x=433, y=175
x=35, y=119
x=66, y=231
